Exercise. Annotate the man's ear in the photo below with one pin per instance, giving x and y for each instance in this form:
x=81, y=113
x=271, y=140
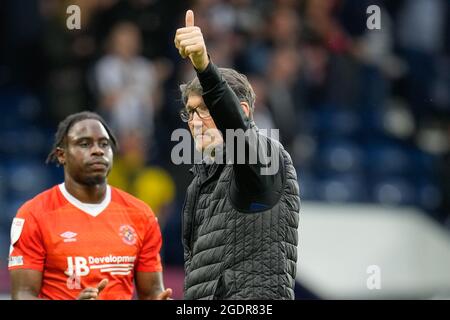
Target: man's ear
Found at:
x=60, y=155
x=246, y=108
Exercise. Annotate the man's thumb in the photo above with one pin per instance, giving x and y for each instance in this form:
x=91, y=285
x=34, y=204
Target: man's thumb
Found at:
x=102, y=284
x=189, y=18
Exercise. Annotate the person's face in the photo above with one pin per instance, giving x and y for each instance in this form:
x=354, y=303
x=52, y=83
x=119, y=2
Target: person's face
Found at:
x=204, y=131
x=87, y=156
x=127, y=41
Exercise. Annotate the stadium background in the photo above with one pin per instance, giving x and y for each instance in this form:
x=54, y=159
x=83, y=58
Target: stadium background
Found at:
x=364, y=114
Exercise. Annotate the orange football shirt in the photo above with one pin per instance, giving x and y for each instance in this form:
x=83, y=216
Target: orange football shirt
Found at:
x=76, y=245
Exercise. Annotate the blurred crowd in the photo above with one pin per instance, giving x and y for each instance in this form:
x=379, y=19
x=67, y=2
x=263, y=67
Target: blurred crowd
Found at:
x=364, y=113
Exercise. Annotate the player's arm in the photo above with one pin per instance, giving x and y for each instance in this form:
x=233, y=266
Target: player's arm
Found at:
x=27, y=256
x=148, y=270
x=149, y=286
x=25, y=284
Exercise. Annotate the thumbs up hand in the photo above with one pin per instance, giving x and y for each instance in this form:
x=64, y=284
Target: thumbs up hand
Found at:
x=190, y=43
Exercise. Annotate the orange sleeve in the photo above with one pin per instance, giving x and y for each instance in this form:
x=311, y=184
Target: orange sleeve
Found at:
x=149, y=259
x=27, y=245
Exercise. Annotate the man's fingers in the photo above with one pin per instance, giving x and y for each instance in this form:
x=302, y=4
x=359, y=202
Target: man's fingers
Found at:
x=195, y=48
x=185, y=33
x=189, y=18
x=180, y=49
x=182, y=53
x=102, y=285
x=190, y=41
x=88, y=295
x=166, y=294
x=190, y=35
x=189, y=45
x=179, y=39
x=181, y=31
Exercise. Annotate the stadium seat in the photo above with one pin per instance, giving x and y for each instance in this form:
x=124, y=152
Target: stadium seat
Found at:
x=27, y=178
x=336, y=122
x=343, y=188
x=339, y=156
x=388, y=159
x=308, y=185
x=393, y=191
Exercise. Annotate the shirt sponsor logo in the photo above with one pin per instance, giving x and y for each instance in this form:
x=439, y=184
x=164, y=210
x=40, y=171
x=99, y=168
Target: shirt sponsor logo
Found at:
x=15, y=261
x=69, y=236
x=81, y=266
x=128, y=234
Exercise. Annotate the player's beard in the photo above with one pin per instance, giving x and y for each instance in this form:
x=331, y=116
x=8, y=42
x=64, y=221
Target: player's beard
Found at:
x=94, y=180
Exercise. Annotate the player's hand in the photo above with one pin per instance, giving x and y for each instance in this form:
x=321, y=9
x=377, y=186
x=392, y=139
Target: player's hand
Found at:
x=92, y=293
x=165, y=295
x=190, y=43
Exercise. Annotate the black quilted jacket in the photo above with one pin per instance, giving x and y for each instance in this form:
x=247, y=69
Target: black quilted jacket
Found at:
x=231, y=251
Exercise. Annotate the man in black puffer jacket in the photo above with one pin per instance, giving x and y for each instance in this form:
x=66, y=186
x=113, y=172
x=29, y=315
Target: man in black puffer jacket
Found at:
x=240, y=217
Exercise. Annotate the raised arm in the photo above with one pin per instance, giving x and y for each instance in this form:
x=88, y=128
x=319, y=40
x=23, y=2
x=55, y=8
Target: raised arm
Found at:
x=254, y=188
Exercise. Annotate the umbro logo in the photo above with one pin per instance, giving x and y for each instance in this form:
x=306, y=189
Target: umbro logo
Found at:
x=69, y=236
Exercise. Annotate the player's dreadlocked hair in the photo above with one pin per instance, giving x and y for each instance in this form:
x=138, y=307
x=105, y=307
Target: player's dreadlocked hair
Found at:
x=64, y=127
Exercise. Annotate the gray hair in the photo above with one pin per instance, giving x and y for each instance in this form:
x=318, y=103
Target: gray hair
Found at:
x=238, y=82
